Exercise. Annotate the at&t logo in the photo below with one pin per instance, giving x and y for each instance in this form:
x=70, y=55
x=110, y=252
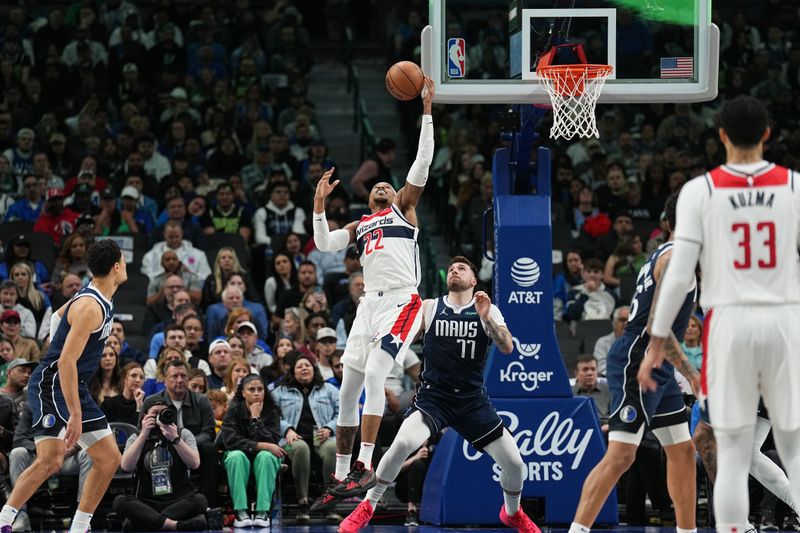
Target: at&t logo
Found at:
x=525, y=272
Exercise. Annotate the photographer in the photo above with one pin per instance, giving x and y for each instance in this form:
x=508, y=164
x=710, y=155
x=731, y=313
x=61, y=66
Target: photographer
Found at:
x=250, y=436
x=194, y=414
x=164, y=498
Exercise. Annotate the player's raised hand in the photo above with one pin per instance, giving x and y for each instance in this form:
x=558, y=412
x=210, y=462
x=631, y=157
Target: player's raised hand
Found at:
x=73, y=430
x=427, y=94
x=325, y=187
x=653, y=357
x=482, y=304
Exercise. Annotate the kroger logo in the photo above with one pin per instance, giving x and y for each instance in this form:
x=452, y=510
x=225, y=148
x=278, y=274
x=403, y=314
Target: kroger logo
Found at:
x=526, y=350
x=525, y=272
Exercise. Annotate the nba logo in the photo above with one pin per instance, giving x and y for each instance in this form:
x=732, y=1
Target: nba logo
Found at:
x=455, y=57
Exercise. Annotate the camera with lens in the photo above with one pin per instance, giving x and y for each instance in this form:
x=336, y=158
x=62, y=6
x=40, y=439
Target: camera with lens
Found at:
x=168, y=416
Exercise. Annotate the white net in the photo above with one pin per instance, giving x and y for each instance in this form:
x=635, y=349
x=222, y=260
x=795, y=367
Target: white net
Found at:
x=574, y=90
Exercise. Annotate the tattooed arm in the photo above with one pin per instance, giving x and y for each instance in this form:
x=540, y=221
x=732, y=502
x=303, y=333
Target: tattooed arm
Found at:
x=499, y=334
x=674, y=354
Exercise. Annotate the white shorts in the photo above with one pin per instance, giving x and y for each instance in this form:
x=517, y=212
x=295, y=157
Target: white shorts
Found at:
x=752, y=351
x=389, y=322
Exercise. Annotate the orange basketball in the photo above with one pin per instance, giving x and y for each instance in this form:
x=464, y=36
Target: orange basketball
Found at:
x=405, y=80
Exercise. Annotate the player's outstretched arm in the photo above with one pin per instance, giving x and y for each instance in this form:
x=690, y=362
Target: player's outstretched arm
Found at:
x=497, y=332
x=408, y=197
x=324, y=239
x=85, y=316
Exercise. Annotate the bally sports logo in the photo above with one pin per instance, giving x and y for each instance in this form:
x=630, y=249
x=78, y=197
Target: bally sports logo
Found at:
x=553, y=439
x=525, y=272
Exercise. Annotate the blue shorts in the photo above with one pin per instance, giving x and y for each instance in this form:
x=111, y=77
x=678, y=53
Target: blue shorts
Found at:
x=630, y=406
x=472, y=415
x=49, y=412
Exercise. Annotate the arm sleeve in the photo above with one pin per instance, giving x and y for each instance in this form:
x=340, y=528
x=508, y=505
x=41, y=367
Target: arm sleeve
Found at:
x=418, y=173
x=327, y=240
x=259, y=227
x=299, y=221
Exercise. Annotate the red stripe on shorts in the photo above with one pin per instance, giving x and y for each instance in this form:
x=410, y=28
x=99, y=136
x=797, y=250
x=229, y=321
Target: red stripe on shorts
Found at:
x=706, y=329
x=402, y=325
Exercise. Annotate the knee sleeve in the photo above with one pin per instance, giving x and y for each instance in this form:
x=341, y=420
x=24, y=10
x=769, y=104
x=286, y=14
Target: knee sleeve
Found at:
x=379, y=364
x=506, y=454
x=734, y=450
x=412, y=434
x=349, y=394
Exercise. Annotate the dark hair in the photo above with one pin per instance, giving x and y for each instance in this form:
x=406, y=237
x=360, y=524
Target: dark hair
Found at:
x=123, y=373
x=385, y=145
x=669, y=209
x=312, y=316
x=269, y=407
x=188, y=306
x=96, y=384
x=172, y=327
x=102, y=256
x=279, y=286
x=593, y=263
x=464, y=260
x=177, y=363
x=198, y=373
x=744, y=119
x=306, y=262
x=223, y=186
x=290, y=381
x=585, y=358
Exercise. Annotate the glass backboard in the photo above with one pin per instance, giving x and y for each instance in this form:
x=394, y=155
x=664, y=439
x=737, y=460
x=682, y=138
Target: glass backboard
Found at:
x=485, y=51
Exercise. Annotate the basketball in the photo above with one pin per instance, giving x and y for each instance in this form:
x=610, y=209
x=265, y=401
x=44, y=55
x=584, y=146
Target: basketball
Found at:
x=405, y=80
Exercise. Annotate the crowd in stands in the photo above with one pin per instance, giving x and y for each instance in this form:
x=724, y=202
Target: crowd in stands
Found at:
x=188, y=129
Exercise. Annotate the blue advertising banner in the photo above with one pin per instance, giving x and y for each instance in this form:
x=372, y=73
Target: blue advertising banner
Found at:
x=560, y=442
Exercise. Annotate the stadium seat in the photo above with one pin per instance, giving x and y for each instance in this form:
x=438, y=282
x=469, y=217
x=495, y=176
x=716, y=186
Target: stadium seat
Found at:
x=43, y=248
x=9, y=229
x=588, y=331
x=570, y=350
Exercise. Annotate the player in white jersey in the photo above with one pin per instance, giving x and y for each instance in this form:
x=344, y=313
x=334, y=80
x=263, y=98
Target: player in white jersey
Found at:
x=389, y=315
x=741, y=220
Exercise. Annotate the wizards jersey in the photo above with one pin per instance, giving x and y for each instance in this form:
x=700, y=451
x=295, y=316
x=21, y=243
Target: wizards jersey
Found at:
x=387, y=246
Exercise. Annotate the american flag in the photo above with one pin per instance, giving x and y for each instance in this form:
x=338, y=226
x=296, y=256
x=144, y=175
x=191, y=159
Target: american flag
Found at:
x=677, y=67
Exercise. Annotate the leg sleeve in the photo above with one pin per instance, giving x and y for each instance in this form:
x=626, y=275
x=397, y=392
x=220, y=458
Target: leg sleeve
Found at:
x=379, y=364
x=349, y=395
x=412, y=434
x=734, y=451
x=506, y=454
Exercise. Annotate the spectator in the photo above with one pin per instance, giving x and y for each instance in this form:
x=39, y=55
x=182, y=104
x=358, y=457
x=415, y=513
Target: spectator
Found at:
x=344, y=312
x=324, y=350
x=155, y=164
x=125, y=217
x=165, y=498
x=158, y=289
x=227, y=217
x=304, y=390
x=106, y=382
x=127, y=353
x=194, y=414
x=226, y=264
x=219, y=359
x=255, y=354
x=277, y=218
x=56, y=220
x=566, y=281
x=84, y=200
x=586, y=384
x=336, y=281
x=70, y=285
x=603, y=344
x=374, y=170
x=195, y=341
x=238, y=369
x=691, y=344
x=284, y=277
x=18, y=248
x=6, y=356
x=250, y=434
x=623, y=225
x=232, y=297
x=198, y=381
x=126, y=406
x=626, y=260
x=21, y=156
x=591, y=300
x=293, y=328
x=163, y=311
x=274, y=373
x=306, y=279
x=10, y=325
x=177, y=212
x=219, y=404
x=155, y=368
x=612, y=195
x=194, y=260
x=18, y=372
x=71, y=259
x=29, y=207
x=32, y=298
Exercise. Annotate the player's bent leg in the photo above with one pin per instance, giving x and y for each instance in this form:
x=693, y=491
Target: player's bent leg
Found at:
x=731, y=500
x=788, y=445
x=505, y=453
x=347, y=423
x=49, y=459
x=102, y=448
x=765, y=471
x=681, y=472
x=618, y=459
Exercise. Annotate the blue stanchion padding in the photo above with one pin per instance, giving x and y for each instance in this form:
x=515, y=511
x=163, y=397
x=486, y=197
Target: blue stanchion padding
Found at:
x=560, y=442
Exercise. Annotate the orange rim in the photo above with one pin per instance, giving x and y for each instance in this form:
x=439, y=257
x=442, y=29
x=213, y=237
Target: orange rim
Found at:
x=591, y=71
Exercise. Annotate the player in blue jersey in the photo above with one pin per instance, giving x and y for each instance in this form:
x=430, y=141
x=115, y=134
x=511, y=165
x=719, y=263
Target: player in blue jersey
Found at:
x=635, y=409
x=64, y=413
x=458, y=330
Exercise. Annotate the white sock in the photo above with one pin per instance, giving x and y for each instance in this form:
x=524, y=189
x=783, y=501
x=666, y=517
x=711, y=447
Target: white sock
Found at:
x=342, y=466
x=681, y=530
x=512, y=502
x=365, y=454
x=8, y=515
x=578, y=528
x=376, y=493
x=81, y=522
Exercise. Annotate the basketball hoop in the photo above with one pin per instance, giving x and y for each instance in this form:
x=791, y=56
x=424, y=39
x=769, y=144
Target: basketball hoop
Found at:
x=574, y=90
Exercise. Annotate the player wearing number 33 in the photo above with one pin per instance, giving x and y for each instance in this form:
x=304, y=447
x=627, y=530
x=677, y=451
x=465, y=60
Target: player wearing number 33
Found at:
x=742, y=221
x=390, y=313
x=451, y=393
x=635, y=410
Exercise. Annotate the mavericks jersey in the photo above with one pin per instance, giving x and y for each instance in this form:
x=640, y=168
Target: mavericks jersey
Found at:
x=89, y=361
x=746, y=218
x=387, y=246
x=643, y=299
x=455, y=345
